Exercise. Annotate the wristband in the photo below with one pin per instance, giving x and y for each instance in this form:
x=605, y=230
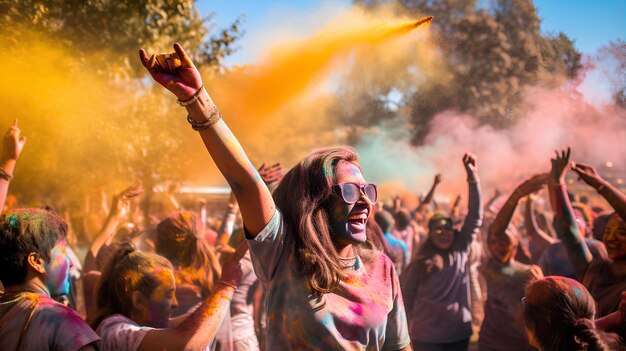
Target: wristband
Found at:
x=192, y=99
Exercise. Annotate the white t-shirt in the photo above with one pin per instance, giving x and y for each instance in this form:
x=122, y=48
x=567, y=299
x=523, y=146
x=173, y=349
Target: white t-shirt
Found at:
x=121, y=333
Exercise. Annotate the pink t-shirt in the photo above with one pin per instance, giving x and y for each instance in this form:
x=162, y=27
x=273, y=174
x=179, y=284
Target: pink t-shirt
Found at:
x=53, y=326
x=365, y=312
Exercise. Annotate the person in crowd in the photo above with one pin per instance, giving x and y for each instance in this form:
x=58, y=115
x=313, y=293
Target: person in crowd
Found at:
x=242, y=308
x=538, y=240
x=559, y=314
x=137, y=294
x=435, y=285
x=328, y=288
x=554, y=259
x=34, y=267
x=395, y=248
x=196, y=266
x=605, y=278
x=507, y=279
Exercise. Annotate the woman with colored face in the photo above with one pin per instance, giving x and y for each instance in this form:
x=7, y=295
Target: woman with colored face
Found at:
x=436, y=285
x=604, y=277
x=506, y=278
x=330, y=288
x=136, y=297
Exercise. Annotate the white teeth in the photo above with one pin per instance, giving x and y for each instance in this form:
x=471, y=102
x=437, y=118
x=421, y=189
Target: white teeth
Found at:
x=358, y=216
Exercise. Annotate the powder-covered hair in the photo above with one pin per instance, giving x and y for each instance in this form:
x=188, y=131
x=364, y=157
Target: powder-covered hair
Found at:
x=560, y=313
x=22, y=232
x=178, y=239
x=303, y=197
x=127, y=271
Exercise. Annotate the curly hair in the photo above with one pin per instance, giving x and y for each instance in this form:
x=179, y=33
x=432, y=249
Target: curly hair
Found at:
x=303, y=197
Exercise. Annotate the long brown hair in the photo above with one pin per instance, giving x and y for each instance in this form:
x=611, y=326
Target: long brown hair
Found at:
x=303, y=196
x=127, y=271
x=178, y=240
x=560, y=312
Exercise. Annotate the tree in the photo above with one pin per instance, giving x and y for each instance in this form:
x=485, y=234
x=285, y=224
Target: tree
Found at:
x=493, y=52
x=125, y=131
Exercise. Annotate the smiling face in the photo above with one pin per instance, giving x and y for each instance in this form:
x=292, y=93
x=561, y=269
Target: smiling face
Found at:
x=441, y=233
x=349, y=221
x=615, y=237
x=58, y=270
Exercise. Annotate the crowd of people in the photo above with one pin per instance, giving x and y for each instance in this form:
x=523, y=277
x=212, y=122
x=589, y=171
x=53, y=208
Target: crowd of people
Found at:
x=313, y=258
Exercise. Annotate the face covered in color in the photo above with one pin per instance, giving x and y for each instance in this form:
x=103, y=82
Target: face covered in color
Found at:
x=615, y=237
x=502, y=247
x=441, y=233
x=58, y=270
x=349, y=221
x=162, y=301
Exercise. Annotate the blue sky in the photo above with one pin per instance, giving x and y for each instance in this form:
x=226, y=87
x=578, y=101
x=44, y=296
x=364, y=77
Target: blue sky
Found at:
x=590, y=23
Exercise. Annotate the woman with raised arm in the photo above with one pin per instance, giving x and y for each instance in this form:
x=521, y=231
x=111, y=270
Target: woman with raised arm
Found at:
x=539, y=240
x=503, y=326
x=436, y=284
x=327, y=288
x=605, y=278
x=137, y=294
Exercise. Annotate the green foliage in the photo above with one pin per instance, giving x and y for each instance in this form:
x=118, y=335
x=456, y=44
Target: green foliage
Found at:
x=134, y=129
x=102, y=27
x=492, y=53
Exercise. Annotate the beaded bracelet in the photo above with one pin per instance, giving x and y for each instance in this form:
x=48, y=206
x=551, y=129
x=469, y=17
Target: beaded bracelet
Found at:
x=213, y=118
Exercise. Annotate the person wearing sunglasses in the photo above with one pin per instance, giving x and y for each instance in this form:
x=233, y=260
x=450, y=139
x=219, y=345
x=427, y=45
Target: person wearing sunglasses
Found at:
x=436, y=284
x=329, y=286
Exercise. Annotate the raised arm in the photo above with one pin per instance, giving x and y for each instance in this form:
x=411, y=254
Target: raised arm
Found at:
x=564, y=220
x=11, y=150
x=200, y=328
x=505, y=214
x=539, y=240
x=614, y=197
x=178, y=74
x=119, y=208
x=474, y=218
x=431, y=193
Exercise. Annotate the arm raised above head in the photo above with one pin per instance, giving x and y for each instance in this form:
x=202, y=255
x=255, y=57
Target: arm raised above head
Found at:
x=614, y=197
x=178, y=74
x=564, y=220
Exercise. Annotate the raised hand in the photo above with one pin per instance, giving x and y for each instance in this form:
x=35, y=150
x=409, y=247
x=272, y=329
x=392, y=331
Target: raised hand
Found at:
x=438, y=178
x=559, y=164
x=121, y=201
x=471, y=166
x=184, y=80
x=13, y=143
x=588, y=174
x=271, y=174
